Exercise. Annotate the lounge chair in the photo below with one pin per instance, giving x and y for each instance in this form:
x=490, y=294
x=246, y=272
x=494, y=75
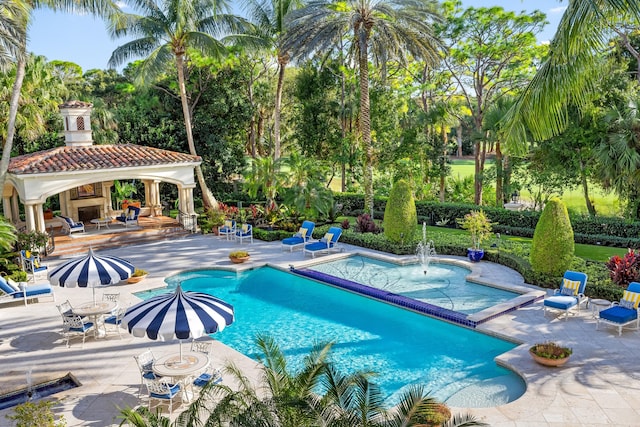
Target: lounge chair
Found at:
x=130, y=216
x=570, y=295
x=31, y=264
x=301, y=237
x=228, y=229
x=325, y=245
x=625, y=313
x=70, y=226
x=13, y=291
x=245, y=232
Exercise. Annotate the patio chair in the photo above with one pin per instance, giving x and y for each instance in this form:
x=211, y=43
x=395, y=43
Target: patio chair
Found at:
x=623, y=314
x=210, y=373
x=161, y=392
x=145, y=364
x=301, y=237
x=228, y=229
x=325, y=245
x=129, y=216
x=115, y=320
x=75, y=325
x=70, y=226
x=245, y=232
x=570, y=295
x=31, y=264
x=13, y=291
x=113, y=297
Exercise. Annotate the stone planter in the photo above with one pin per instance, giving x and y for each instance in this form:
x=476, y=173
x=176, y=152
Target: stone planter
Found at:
x=548, y=362
x=136, y=279
x=239, y=260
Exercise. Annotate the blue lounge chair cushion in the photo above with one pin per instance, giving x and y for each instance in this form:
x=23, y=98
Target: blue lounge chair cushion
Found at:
x=618, y=314
x=112, y=320
x=295, y=240
x=204, y=379
x=561, y=302
x=5, y=287
x=173, y=389
x=84, y=328
x=317, y=246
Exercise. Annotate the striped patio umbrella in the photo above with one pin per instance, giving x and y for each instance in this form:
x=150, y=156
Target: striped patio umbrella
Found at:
x=178, y=314
x=91, y=271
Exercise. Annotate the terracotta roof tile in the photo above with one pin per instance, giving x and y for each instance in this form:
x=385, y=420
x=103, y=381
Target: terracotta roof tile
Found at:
x=97, y=157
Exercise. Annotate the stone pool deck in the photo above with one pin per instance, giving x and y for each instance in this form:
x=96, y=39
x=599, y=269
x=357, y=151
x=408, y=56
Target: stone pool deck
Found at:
x=600, y=385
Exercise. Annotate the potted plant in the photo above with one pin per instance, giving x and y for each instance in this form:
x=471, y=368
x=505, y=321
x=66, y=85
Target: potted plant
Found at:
x=238, y=257
x=478, y=225
x=137, y=276
x=550, y=354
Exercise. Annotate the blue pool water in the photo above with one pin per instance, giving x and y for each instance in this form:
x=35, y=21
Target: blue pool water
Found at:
x=404, y=347
x=444, y=285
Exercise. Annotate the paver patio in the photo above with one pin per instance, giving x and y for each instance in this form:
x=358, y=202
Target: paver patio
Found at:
x=600, y=385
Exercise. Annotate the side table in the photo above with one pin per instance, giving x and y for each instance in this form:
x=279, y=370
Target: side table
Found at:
x=597, y=305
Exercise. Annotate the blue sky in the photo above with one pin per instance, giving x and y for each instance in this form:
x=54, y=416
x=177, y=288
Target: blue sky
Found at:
x=84, y=40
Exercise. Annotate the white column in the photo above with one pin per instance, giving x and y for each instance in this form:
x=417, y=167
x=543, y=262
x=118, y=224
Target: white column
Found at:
x=30, y=217
x=39, y=218
x=15, y=207
x=6, y=208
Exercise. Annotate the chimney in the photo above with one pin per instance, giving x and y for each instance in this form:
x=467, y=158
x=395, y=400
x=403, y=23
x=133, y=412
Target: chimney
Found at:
x=76, y=116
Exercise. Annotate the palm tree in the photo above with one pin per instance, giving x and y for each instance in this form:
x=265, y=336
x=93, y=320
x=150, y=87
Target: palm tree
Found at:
x=269, y=17
x=570, y=73
x=383, y=29
x=11, y=30
x=166, y=32
x=102, y=8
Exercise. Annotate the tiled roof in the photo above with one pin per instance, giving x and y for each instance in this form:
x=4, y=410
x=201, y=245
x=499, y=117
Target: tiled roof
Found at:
x=75, y=104
x=95, y=157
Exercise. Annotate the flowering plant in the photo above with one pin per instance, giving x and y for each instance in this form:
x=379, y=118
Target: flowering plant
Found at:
x=624, y=270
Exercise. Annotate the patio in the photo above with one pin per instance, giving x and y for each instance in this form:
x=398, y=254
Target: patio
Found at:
x=599, y=386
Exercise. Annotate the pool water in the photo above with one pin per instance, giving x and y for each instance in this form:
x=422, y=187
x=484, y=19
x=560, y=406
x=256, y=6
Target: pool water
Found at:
x=403, y=347
x=444, y=285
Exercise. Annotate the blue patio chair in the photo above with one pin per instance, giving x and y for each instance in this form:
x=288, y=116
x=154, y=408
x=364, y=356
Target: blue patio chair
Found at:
x=162, y=392
x=301, y=237
x=210, y=374
x=570, y=295
x=228, y=229
x=130, y=216
x=623, y=314
x=75, y=325
x=327, y=244
x=13, y=291
x=70, y=226
x=245, y=231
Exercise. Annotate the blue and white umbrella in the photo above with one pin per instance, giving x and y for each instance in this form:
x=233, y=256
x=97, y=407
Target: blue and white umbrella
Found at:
x=91, y=272
x=178, y=314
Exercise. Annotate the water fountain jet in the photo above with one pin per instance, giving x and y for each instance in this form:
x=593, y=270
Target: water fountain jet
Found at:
x=425, y=250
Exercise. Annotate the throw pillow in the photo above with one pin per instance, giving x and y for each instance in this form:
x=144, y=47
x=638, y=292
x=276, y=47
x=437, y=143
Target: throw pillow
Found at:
x=574, y=285
x=245, y=228
x=568, y=292
x=634, y=297
x=27, y=254
x=13, y=284
x=327, y=237
x=228, y=224
x=626, y=304
x=302, y=232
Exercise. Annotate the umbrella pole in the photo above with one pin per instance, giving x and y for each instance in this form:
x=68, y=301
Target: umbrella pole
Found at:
x=180, y=351
x=94, y=296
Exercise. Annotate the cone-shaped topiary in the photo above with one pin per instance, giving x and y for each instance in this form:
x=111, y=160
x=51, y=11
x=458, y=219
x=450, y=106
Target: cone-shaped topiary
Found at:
x=400, y=217
x=553, y=246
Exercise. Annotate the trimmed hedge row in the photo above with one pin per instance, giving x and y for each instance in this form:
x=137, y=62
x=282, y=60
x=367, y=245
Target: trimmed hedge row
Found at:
x=606, y=231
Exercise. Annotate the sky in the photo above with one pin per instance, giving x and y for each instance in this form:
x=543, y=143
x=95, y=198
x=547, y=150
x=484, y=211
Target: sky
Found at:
x=84, y=39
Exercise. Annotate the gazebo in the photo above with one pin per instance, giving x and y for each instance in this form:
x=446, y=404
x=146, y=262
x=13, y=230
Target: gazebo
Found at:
x=82, y=174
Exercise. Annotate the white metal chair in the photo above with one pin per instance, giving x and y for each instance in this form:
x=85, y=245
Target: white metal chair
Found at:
x=228, y=230
x=145, y=364
x=75, y=325
x=211, y=373
x=113, y=297
x=245, y=231
x=115, y=320
x=161, y=392
x=31, y=264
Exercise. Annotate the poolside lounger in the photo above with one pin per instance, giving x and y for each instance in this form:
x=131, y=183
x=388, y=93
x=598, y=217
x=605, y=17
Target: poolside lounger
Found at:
x=325, y=245
x=569, y=296
x=623, y=314
x=13, y=291
x=301, y=237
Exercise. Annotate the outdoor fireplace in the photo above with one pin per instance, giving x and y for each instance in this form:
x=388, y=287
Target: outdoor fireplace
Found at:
x=87, y=213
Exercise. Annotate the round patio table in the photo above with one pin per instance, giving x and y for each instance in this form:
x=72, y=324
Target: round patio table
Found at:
x=181, y=370
x=101, y=222
x=94, y=311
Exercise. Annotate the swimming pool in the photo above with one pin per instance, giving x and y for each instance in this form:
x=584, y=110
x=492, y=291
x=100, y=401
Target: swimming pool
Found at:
x=404, y=347
x=444, y=285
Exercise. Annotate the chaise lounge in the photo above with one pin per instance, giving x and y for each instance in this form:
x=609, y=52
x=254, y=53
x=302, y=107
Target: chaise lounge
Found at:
x=13, y=291
x=327, y=244
x=301, y=237
x=569, y=296
x=623, y=314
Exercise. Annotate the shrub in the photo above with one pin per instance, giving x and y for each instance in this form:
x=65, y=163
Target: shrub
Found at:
x=624, y=270
x=365, y=224
x=478, y=226
x=346, y=224
x=552, y=248
x=36, y=414
x=400, y=216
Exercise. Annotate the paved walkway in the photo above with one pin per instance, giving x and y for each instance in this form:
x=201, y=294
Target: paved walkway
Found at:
x=600, y=386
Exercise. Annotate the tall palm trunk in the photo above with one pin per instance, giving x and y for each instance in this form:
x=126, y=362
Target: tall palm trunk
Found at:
x=13, y=113
x=283, y=60
x=365, y=121
x=207, y=198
